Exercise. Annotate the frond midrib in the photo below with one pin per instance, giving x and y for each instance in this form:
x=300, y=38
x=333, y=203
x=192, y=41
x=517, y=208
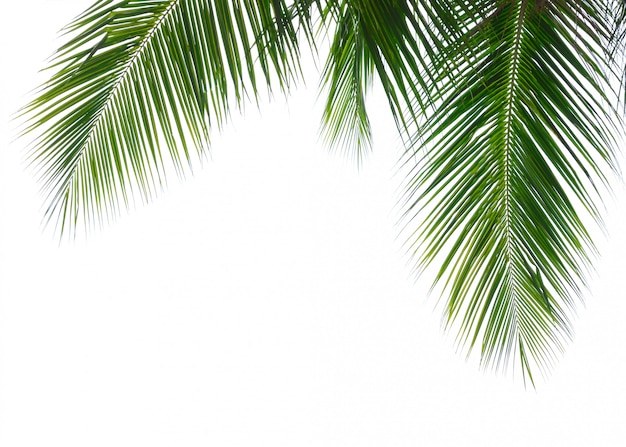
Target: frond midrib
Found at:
x=508, y=146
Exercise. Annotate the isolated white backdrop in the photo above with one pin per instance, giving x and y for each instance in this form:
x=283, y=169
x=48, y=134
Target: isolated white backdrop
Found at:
x=265, y=301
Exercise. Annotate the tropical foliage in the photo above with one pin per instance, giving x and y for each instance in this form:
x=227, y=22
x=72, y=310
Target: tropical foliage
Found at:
x=508, y=110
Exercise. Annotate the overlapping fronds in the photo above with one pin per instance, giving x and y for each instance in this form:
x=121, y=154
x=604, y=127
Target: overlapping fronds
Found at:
x=138, y=86
x=514, y=152
x=616, y=48
x=506, y=106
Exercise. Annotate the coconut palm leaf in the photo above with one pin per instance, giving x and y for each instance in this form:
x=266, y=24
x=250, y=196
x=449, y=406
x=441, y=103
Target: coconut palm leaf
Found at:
x=516, y=150
x=395, y=41
x=506, y=108
x=348, y=73
x=136, y=89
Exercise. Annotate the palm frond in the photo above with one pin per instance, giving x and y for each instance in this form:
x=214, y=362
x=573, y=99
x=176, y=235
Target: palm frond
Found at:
x=507, y=108
x=395, y=41
x=137, y=88
x=513, y=153
x=348, y=74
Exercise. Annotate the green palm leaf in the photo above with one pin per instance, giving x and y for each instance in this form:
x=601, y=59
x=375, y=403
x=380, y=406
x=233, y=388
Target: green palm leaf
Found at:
x=506, y=108
x=517, y=148
x=348, y=73
x=137, y=88
x=393, y=40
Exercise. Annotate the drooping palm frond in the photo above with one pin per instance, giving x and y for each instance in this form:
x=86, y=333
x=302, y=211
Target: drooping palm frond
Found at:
x=505, y=106
x=137, y=88
x=348, y=73
x=393, y=41
x=514, y=152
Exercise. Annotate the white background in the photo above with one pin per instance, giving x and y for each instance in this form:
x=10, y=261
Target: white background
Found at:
x=263, y=302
